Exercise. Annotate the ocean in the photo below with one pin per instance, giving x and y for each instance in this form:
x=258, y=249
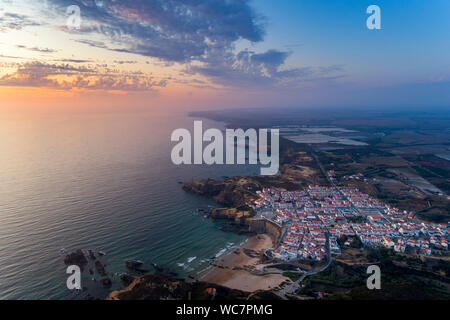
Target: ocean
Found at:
x=104, y=181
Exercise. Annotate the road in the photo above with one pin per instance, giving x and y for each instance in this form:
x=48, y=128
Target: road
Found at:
x=324, y=172
x=293, y=287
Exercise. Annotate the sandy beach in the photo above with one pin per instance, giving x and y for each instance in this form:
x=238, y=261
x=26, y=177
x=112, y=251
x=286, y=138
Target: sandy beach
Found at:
x=232, y=270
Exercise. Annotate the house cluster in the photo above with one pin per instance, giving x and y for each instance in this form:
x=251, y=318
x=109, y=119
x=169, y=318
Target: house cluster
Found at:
x=305, y=241
x=312, y=215
x=361, y=200
x=397, y=215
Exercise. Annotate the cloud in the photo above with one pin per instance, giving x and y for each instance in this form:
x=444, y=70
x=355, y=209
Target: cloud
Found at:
x=172, y=30
x=199, y=34
x=37, y=49
x=16, y=21
x=93, y=43
x=10, y=57
x=248, y=68
x=67, y=77
x=71, y=60
x=125, y=61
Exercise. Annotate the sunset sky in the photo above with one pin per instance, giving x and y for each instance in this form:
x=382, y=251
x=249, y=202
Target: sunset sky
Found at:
x=224, y=53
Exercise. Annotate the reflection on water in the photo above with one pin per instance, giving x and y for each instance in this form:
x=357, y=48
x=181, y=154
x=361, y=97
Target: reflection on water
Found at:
x=101, y=181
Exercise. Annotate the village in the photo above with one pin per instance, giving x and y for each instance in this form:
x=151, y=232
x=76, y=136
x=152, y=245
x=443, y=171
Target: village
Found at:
x=321, y=220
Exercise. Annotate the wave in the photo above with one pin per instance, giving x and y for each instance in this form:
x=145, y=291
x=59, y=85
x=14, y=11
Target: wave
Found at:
x=221, y=252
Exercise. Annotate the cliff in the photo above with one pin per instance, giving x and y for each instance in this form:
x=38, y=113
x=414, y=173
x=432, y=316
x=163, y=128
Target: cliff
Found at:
x=164, y=287
x=233, y=192
x=238, y=216
x=265, y=226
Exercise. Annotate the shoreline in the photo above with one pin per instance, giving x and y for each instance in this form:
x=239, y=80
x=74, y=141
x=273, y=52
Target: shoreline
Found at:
x=201, y=273
x=233, y=269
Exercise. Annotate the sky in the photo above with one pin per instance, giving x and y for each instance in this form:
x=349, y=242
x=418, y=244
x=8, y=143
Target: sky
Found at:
x=206, y=54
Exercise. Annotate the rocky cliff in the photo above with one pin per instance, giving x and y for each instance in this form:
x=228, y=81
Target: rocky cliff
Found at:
x=237, y=215
x=163, y=287
x=233, y=192
x=265, y=226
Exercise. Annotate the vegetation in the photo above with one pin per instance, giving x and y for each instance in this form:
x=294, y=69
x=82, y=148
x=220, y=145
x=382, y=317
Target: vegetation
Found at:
x=294, y=276
x=358, y=219
x=356, y=243
x=345, y=281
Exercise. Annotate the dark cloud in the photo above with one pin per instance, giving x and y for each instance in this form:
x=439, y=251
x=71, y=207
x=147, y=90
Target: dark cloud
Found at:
x=173, y=30
x=67, y=77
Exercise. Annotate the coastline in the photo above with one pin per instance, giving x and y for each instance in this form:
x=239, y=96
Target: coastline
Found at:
x=234, y=269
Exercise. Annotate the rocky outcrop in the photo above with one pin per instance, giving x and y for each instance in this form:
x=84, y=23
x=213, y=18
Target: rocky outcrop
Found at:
x=152, y=287
x=164, y=287
x=237, y=215
x=233, y=192
x=265, y=226
x=100, y=268
x=76, y=258
x=106, y=283
x=126, y=279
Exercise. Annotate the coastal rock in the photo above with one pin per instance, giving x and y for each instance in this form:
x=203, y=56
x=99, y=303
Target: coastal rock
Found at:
x=91, y=254
x=152, y=287
x=233, y=192
x=157, y=267
x=136, y=265
x=76, y=258
x=133, y=264
x=252, y=253
x=100, y=268
x=239, y=216
x=165, y=287
x=106, y=283
x=126, y=279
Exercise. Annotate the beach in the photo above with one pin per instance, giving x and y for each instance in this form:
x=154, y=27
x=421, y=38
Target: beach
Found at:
x=233, y=270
